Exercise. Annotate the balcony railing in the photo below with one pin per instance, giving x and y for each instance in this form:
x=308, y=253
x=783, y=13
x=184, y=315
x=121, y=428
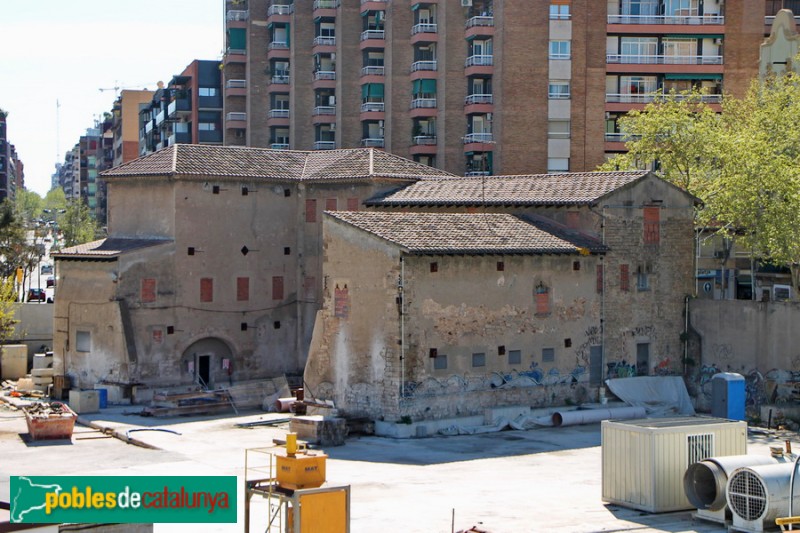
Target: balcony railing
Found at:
x=236, y=84
x=477, y=173
x=237, y=15
x=423, y=103
x=479, y=21
x=236, y=116
x=620, y=137
x=368, y=1
x=325, y=145
x=324, y=40
x=478, y=138
x=324, y=75
x=324, y=110
x=280, y=78
x=663, y=59
x=769, y=20
x=372, y=143
x=424, y=65
x=278, y=45
x=424, y=27
x=370, y=107
x=373, y=71
x=649, y=97
x=479, y=99
x=236, y=51
x=424, y=140
x=280, y=9
x=479, y=61
x=324, y=4
x=278, y=113
x=279, y=146
x=373, y=34
x=710, y=18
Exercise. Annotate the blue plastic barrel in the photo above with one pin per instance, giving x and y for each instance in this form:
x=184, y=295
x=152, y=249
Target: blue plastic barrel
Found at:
x=102, y=395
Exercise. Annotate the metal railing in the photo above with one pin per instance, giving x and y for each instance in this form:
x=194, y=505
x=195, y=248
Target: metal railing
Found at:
x=479, y=99
x=324, y=40
x=424, y=140
x=325, y=145
x=236, y=84
x=424, y=65
x=424, y=27
x=278, y=45
x=368, y=1
x=373, y=71
x=697, y=20
x=645, y=98
x=324, y=4
x=324, y=110
x=478, y=138
x=372, y=143
x=236, y=51
x=324, y=75
x=423, y=103
x=280, y=9
x=371, y=107
x=279, y=146
x=278, y=113
x=373, y=34
x=237, y=15
x=477, y=173
x=479, y=21
x=282, y=79
x=236, y=116
x=479, y=61
x=663, y=59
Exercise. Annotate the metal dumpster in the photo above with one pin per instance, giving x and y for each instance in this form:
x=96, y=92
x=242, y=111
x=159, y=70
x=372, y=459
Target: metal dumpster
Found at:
x=54, y=420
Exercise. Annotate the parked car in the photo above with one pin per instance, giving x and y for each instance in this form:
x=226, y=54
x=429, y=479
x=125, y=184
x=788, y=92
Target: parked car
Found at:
x=36, y=295
x=51, y=282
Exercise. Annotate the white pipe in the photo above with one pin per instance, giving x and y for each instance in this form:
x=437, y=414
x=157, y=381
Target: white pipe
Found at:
x=589, y=416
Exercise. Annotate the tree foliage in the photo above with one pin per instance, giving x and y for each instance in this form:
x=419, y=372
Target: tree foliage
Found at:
x=13, y=242
x=743, y=163
x=28, y=205
x=8, y=295
x=76, y=224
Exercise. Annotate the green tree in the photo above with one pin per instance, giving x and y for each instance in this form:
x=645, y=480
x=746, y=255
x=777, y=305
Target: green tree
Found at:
x=8, y=294
x=28, y=205
x=12, y=240
x=76, y=224
x=54, y=202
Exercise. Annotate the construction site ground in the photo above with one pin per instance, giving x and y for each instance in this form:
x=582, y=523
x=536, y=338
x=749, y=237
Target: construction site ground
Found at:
x=546, y=480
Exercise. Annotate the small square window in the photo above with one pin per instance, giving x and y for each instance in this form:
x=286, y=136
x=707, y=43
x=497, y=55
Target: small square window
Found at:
x=215, y=189
x=83, y=341
x=170, y=330
x=433, y=352
x=514, y=357
x=501, y=266
x=245, y=190
x=559, y=50
x=558, y=129
x=501, y=350
x=243, y=326
x=567, y=343
x=440, y=362
x=277, y=324
x=642, y=281
x=548, y=355
x=287, y=192
x=576, y=265
x=478, y=360
x=287, y=250
x=557, y=164
x=434, y=267
x=190, y=250
x=558, y=90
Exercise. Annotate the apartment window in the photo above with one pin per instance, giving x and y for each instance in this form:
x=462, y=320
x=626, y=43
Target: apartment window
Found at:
x=440, y=362
x=206, y=290
x=83, y=341
x=148, y=290
x=206, y=126
x=207, y=91
x=558, y=90
x=679, y=51
x=311, y=210
x=559, y=50
x=638, y=84
x=548, y=355
x=559, y=10
x=558, y=129
x=640, y=7
x=277, y=287
x=557, y=164
x=514, y=357
x=644, y=48
x=478, y=360
x=242, y=289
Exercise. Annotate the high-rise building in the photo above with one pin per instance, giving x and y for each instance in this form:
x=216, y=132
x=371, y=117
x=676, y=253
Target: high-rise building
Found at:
x=125, y=123
x=475, y=86
x=12, y=176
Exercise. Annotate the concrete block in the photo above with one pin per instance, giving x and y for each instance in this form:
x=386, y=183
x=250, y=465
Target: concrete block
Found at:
x=42, y=380
x=84, y=401
x=43, y=372
x=322, y=430
x=41, y=360
x=13, y=361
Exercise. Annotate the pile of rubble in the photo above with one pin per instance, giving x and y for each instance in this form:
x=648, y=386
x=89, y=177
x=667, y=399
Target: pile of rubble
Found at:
x=48, y=410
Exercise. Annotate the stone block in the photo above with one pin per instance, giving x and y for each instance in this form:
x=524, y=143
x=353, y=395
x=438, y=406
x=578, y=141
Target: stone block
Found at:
x=322, y=430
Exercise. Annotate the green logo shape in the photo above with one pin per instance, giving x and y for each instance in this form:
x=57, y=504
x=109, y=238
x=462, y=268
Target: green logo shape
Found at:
x=123, y=499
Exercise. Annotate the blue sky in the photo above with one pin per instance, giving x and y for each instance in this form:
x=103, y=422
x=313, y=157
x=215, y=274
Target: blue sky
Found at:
x=66, y=50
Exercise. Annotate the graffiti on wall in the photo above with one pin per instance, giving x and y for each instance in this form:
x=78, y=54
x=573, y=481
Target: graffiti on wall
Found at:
x=620, y=369
x=593, y=338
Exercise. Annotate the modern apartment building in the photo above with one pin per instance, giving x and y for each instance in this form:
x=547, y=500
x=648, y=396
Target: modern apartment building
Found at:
x=125, y=123
x=187, y=111
x=475, y=86
x=12, y=176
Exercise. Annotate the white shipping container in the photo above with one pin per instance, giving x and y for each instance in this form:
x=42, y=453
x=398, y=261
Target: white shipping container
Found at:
x=643, y=461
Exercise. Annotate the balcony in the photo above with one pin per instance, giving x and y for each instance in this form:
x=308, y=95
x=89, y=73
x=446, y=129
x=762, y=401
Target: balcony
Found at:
x=278, y=45
x=325, y=4
x=160, y=117
x=423, y=103
x=373, y=107
x=477, y=173
x=236, y=84
x=424, y=27
x=279, y=146
x=646, y=98
x=373, y=1
x=479, y=61
x=237, y=15
x=324, y=40
x=620, y=137
x=183, y=105
x=373, y=71
x=372, y=143
x=209, y=136
x=325, y=145
x=367, y=35
x=478, y=138
x=662, y=59
x=281, y=79
x=327, y=110
x=424, y=140
x=280, y=9
x=427, y=64
x=474, y=99
x=695, y=20
x=278, y=113
x=482, y=21
x=236, y=116
x=324, y=75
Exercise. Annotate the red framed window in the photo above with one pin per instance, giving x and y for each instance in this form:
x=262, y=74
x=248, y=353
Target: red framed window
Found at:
x=242, y=289
x=311, y=210
x=206, y=289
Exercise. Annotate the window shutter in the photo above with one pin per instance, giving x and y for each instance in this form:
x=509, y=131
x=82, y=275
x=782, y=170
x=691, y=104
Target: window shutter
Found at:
x=652, y=225
x=624, y=278
x=277, y=287
x=206, y=290
x=242, y=289
x=148, y=291
x=311, y=210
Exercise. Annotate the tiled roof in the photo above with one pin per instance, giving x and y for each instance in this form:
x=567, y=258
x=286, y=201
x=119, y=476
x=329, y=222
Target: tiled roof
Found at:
x=462, y=233
x=106, y=248
x=219, y=162
x=569, y=188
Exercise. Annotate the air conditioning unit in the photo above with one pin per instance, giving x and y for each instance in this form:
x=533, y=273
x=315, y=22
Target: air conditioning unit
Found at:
x=757, y=495
x=466, y=3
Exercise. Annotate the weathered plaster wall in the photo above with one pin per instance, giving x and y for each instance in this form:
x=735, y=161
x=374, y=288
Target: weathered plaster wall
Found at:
x=140, y=208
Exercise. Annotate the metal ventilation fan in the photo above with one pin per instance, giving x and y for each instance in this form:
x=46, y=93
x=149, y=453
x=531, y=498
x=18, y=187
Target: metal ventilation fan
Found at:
x=757, y=495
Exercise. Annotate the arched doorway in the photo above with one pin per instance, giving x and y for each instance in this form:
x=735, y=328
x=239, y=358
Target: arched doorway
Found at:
x=207, y=361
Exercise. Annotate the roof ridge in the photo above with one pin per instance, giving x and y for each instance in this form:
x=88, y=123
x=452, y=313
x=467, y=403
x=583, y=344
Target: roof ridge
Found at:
x=175, y=159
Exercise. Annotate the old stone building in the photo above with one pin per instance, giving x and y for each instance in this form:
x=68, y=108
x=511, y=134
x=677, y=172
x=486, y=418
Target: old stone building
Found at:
x=212, y=269
x=515, y=290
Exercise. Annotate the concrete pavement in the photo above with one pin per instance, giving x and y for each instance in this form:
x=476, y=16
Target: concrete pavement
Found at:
x=513, y=481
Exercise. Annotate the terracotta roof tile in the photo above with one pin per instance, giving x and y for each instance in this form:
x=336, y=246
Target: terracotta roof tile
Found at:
x=106, y=248
x=188, y=160
x=569, y=188
x=462, y=233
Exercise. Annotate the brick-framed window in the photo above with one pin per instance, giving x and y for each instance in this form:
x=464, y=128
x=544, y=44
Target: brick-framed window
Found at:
x=652, y=225
x=624, y=278
x=331, y=204
x=206, y=289
x=311, y=210
x=352, y=204
x=542, y=295
x=277, y=287
x=148, y=290
x=242, y=289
